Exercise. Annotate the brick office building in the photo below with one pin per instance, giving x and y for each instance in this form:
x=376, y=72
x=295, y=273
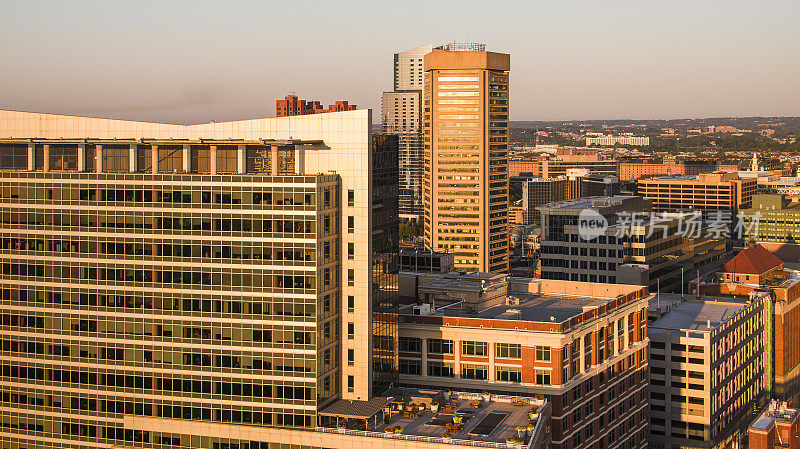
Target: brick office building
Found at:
x=777, y=427
x=582, y=345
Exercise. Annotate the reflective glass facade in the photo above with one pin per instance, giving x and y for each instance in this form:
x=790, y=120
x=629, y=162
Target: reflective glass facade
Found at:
x=177, y=291
x=184, y=296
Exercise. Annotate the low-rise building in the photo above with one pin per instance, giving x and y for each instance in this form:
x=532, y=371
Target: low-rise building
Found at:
x=707, y=370
x=640, y=169
x=646, y=251
x=751, y=267
x=772, y=218
x=582, y=346
x=706, y=192
x=577, y=183
x=539, y=191
x=555, y=168
x=517, y=165
x=784, y=185
x=610, y=141
x=777, y=427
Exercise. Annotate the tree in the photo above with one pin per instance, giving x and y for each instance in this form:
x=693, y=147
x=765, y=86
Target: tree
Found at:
x=410, y=230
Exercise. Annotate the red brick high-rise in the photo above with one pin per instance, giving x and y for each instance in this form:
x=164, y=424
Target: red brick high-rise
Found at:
x=291, y=105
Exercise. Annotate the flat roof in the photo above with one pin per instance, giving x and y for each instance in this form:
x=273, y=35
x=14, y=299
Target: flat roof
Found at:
x=766, y=419
x=692, y=315
x=356, y=409
x=588, y=202
x=534, y=308
x=492, y=422
x=165, y=142
x=469, y=282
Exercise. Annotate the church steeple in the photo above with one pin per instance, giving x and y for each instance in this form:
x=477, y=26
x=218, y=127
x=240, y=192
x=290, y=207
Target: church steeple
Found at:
x=754, y=163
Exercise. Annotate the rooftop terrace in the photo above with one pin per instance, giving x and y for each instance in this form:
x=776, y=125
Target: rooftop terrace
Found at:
x=460, y=418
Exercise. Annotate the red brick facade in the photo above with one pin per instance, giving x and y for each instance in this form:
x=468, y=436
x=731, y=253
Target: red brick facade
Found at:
x=779, y=433
x=291, y=105
x=597, y=363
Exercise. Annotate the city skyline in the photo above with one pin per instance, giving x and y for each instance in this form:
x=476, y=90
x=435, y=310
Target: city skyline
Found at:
x=230, y=225
x=572, y=61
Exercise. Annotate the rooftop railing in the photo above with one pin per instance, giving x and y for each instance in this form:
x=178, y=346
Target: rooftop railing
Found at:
x=420, y=438
x=532, y=442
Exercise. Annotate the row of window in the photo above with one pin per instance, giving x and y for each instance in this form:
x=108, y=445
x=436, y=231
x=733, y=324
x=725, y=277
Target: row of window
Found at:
x=285, y=308
x=285, y=392
x=472, y=348
x=144, y=221
x=472, y=371
x=158, y=276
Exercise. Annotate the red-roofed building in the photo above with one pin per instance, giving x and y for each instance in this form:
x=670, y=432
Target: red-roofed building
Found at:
x=751, y=266
x=756, y=270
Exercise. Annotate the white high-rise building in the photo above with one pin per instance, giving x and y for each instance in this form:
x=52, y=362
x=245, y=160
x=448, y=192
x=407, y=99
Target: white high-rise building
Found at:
x=401, y=114
x=408, y=70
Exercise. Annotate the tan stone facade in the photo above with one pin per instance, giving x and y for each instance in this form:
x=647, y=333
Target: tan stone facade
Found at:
x=466, y=166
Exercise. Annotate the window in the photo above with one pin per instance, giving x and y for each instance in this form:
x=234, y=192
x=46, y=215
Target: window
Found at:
x=440, y=369
x=351, y=384
x=351, y=331
x=351, y=277
x=508, y=374
x=351, y=251
x=476, y=348
x=351, y=357
x=542, y=353
x=470, y=371
x=456, y=78
x=351, y=224
x=17, y=159
x=542, y=377
x=508, y=351
x=410, y=367
x=326, y=303
x=589, y=408
x=170, y=159
x=351, y=198
x=438, y=346
x=351, y=303
x=410, y=344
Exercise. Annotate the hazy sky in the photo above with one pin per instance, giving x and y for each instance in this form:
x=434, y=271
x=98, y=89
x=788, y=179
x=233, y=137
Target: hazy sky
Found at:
x=200, y=60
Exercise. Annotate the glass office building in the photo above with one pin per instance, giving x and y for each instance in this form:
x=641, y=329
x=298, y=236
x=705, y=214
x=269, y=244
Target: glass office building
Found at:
x=156, y=283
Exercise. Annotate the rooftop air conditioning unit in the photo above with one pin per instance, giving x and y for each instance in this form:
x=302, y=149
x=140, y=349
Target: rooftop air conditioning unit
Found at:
x=422, y=309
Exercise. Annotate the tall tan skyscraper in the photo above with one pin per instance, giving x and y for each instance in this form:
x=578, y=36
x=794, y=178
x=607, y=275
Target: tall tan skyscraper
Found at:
x=466, y=164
